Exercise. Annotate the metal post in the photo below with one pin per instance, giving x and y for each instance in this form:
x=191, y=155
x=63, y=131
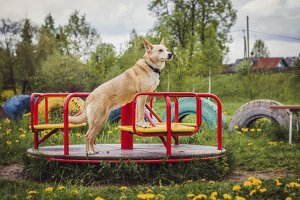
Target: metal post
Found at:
x=126, y=119
x=291, y=127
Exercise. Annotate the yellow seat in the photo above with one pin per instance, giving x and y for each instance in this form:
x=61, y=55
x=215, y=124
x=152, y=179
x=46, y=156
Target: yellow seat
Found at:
x=54, y=126
x=176, y=127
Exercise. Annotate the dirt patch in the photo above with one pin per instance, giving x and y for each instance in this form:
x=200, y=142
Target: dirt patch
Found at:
x=241, y=176
x=11, y=172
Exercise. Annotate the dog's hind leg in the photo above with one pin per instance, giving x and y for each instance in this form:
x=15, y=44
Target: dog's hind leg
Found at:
x=96, y=121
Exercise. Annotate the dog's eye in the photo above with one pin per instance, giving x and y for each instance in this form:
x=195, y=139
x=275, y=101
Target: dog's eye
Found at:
x=161, y=50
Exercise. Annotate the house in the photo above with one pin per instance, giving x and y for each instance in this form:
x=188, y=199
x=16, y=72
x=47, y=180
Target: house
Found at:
x=270, y=64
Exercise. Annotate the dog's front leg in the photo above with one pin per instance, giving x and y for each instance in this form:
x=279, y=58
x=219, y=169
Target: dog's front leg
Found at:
x=141, y=112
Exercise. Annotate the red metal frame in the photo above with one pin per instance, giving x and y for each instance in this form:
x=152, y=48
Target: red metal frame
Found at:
x=128, y=118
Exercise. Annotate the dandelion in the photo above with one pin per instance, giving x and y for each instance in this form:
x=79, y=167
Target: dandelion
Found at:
x=277, y=182
x=247, y=183
x=8, y=142
x=191, y=196
x=149, y=190
x=252, y=192
x=49, y=189
x=60, y=187
x=99, y=198
x=262, y=190
x=213, y=196
x=245, y=130
x=78, y=135
x=200, y=196
x=239, y=198
x=32, y=192
x=258, y=130
x=288, y=198
x=109, y=132
x=250, y=144
x=145, y=196
x=293, y=185
x=17, y=141
x=252, y=129
x=236, y=188
x=272, y=143
x=236, y=127
x=257, y=182
x=227, y=196
x=22, y=136
x=123, y=188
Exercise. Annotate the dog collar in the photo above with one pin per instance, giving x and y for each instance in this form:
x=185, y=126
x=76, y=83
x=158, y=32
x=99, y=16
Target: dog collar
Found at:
x=153, y=68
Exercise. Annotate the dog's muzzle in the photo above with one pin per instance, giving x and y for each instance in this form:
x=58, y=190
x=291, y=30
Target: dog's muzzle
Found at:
x=170, y=56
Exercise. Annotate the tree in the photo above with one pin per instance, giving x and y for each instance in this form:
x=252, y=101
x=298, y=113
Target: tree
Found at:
x=103, y=60
x=260, y=50
x=79, y=37
x=211, y=54
x=184, y=22
x=26, y=57
x=9, y=32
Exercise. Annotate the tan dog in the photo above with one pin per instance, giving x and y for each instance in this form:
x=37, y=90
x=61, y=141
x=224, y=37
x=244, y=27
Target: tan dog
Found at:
x=142, y=77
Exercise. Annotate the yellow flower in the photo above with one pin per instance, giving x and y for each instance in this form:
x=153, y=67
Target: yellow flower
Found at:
x=236, y=127
x=99, y=198
x=252, y=192
x=22, y=136
x=245, y=129
x=149, y=190
x=145, y=196
x=213, y=196
x=109, y=132
x=252, y=129
x=247, y=183
x=211, y=182
x=277, y=182
x=257, y=182
x=272, y=143
x=32, y=192
x=227, y=196
x=293, y=185
x=236, y=188
x=258, y=130
x=60, y=187
x=239, y=198
x=262, y=190
x=288, y=198
x=190, y=196
x=8, y=142
x=49, y=189
x=123, y=188
x=17, y=141
x=250, y=144
x=200, y=196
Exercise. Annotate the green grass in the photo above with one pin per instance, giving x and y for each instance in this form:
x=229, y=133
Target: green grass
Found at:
x=252, y=150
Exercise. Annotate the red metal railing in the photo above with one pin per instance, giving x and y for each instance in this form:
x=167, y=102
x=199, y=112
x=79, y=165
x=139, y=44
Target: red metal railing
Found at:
x=128, y=117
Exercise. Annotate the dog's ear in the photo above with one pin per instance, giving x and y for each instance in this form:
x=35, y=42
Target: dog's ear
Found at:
x=162, y=42
x=148, y=46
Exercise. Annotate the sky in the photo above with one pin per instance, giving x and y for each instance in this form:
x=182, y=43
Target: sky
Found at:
x=274, y=21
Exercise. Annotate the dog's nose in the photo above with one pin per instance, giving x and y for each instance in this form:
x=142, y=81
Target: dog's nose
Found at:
x=170, y=56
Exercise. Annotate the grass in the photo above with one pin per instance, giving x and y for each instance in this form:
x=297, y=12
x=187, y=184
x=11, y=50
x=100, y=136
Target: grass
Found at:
x=248, y=150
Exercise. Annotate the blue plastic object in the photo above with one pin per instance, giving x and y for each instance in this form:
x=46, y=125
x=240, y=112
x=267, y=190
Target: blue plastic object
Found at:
x=16, y=106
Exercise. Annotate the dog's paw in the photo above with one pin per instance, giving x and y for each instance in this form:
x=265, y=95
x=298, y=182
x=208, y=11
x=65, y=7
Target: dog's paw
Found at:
x=142, y=124
x=92, y=152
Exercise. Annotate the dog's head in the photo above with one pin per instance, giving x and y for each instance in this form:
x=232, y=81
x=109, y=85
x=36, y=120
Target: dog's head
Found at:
x=157, y=53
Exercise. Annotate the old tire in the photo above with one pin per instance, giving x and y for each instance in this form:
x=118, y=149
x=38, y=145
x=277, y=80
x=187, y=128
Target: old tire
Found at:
x=257, y=109
x=187, y=106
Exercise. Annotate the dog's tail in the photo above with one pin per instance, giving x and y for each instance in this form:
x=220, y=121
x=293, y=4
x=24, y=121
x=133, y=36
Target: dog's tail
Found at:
x=78, y=119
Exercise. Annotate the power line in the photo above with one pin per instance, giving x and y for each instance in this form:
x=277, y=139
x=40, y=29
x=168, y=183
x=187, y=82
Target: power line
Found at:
x=270, y=34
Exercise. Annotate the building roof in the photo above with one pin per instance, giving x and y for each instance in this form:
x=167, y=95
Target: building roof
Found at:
x=267, y=63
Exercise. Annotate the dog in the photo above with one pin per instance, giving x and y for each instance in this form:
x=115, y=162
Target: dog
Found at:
x=142, y=77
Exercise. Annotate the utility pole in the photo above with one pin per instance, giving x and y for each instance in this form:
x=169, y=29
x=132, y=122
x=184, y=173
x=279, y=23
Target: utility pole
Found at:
x=248, y=52
x=245, y=45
